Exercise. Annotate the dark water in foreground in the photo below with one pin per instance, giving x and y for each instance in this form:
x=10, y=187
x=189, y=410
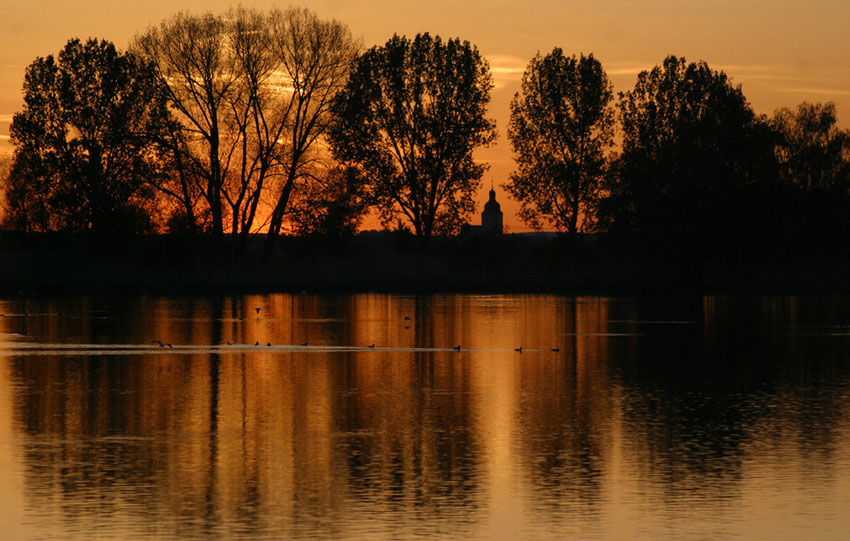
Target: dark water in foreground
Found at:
x=703, y=417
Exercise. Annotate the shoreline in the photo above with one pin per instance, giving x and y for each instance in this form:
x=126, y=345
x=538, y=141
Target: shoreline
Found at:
x=389, y=263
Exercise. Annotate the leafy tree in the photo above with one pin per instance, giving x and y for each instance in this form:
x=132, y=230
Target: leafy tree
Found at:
x=690, y=140
x=562, y=124
x=410, y=117
x=333, y=207
x=5, y=168
x=87, y=142
x=812, y=151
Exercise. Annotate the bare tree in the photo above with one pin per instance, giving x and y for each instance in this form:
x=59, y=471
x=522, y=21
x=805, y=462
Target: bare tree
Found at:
x=257, y=120
x=199, y=72
x=314, y=58
x=253, y=91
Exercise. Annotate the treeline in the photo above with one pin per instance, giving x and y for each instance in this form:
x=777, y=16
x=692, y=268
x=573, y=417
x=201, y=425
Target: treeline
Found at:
x=208, y=123
x=697, y=168
x=248, y=122
x=279, y=122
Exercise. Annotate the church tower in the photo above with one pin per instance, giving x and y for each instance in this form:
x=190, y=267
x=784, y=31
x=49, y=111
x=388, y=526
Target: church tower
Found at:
x=491, y=218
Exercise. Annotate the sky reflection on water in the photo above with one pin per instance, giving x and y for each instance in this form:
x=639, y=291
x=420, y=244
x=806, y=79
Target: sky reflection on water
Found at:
x=655, y=418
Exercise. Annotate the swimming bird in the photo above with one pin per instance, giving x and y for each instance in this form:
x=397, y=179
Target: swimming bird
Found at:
x=161, y=344
x=456, y=348
x=228, y=343
x=304, y=345
x=269, y=344
x=258, y=310
x=257, y=343
x=519, y=349
x=407, y=318
x=555, y=349
x=372, y=346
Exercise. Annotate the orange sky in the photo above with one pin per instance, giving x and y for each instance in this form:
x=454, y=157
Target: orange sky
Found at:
x=782, y=52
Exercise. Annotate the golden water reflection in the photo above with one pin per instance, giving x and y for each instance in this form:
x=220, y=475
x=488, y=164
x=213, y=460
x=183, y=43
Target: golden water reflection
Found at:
x=619, y=418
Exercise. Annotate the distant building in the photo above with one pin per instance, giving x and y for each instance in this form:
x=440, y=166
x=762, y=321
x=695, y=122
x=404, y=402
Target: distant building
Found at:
x=491, y=219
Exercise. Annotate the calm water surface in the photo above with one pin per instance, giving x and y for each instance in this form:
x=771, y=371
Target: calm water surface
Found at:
x=353, y=417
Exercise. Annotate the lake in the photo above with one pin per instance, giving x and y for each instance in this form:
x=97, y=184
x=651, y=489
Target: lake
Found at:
x=398, y=417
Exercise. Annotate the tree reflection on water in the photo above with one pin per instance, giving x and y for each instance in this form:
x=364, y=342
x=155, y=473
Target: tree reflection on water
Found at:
x=656, y=417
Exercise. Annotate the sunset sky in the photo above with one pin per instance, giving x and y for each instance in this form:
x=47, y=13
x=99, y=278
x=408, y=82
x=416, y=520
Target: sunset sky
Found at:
x=782, y=52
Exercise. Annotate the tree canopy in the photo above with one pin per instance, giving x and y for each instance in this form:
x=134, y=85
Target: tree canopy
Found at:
x=561, y=126
x=334, y=206
x=87, y=142
x=689, y=139
x=812, y=151
x=410, y=117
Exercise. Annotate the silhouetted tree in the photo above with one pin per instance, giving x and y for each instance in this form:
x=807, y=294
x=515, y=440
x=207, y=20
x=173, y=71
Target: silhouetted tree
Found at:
x=690, y=140
x=314, y=58
x=5, y=169
x=182, y=207
x=562, y=125
x=196, y=64
x=334, y=206
x=410, y=117
x=253, y=91
x=87, y=142
x=813, y=152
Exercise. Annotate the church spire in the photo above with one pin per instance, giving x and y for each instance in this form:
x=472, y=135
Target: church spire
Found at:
x=491, y=218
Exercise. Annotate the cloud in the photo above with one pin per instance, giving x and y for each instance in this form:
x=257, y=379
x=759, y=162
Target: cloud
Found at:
x=753, y=71
x=791, y=76
x=4, y=137
x=810, y=90
x=627, y=68
x=785, y=78
x=506, y=69
x=6, y=117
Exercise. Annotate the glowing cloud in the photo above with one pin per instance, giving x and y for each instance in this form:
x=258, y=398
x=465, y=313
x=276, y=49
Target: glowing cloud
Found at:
x=506, y=69
x=809, y=90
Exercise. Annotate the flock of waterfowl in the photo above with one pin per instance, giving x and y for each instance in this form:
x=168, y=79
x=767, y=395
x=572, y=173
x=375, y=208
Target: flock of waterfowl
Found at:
x=258, y=309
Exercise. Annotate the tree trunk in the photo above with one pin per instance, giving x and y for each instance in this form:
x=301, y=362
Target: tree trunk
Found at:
x=277, y=218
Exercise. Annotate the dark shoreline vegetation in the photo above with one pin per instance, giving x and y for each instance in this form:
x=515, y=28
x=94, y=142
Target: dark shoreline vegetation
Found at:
x=393, y=262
